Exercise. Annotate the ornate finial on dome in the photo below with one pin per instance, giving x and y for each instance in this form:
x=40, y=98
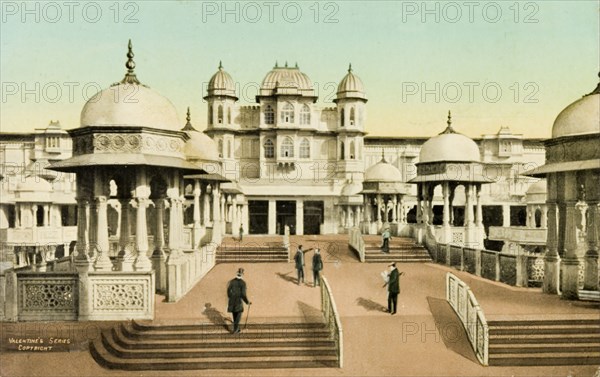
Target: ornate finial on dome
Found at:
x=130, y=77
x=449, y=129
x=350, y=68
x=220, y=67
x=597, y=90
x=188, y=125
x=383, y=155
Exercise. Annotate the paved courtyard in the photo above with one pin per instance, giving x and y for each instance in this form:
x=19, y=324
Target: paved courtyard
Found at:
x=423, y=339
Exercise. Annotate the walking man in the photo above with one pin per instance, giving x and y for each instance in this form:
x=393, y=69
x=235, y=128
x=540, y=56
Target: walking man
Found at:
x=299, y=259
x=393, y=284
x=236, y=293
x=317, y=266
x=385, y=239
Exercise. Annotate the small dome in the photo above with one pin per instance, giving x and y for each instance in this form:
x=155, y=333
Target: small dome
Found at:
x=129, y=103
x=199, y=146
x=351, y=86
x=582, y=117
x=539, y=187
x=383, y=172
x=221, y=84
x=35, y=184
x=449, y=146
x=286, y=77
x=351, y=189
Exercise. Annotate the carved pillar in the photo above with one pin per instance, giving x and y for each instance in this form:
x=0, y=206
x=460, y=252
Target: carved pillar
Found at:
x=544, y=218
x=446, y=213
x=570, y=262
x=158, y=255
x=46, y=214
x=82, y=260
x=142, y=262
x=379, y=207
x=357, y=216
x=124, y=259
x=272, y=218
x=206, y=205
x=102, y=262
x=425, y=207
x=419, y=205
x=506, y=215
x=592, y=185
x=394, y=209
x=299, y=217
x=551, y=258
x=197, y=191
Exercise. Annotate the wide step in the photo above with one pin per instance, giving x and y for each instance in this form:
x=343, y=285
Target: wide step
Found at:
x=544, y=342
x=141, y=346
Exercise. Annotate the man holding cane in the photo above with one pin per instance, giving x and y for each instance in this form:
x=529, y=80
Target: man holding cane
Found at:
x=236, y=293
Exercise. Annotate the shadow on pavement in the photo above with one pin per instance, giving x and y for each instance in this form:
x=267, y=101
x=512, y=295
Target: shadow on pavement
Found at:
x=450, y=328
x=213, y=315
x=310, y=313
x=287, y=277
x=370, y=305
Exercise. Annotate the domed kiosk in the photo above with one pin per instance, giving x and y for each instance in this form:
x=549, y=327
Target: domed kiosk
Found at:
x=451, y=159
x=129, y=157
x=572, y=172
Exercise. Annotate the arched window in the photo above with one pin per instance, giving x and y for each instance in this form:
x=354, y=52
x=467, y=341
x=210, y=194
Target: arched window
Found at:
x=210, y=115
x=287, y=147
x=287, y=113
x=342, y=151
x=269, y=149
x=305, y=115
x=229, y=115
x=269, y=115
x=342, y=118
x=352, y=116
x=220, y=148
x=305, y=148
x=220, y=114
x=352, y=150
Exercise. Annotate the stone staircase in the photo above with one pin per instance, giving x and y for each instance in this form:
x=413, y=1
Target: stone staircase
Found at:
x=252, y=250
x=544, y=342
x=140, y=346
x=402, y=250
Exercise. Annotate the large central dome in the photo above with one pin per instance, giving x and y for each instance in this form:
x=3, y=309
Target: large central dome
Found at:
x=286, y=78
x=129, y=103
x=449, y=146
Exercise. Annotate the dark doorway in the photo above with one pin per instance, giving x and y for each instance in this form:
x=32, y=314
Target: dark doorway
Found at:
x=438, y=215
x=411, y=215
x=518, y=215
x=459, y=215
x=286, y=215
x=258, y=213
x=492, y=216
x=313, y=217
x=39, y=214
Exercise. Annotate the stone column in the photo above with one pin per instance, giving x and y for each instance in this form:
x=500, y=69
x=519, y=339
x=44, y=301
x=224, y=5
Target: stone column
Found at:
x=506, y=215
x=272, y=217
x=379, y=205
x=196, y=229
x=142, y=262
x=82, y=260
x=394, y=209
x=551, y=258
x=544, y=218
x=124, y=259
x=446, y=228
x=222, y=215
x=425, y=207
x=530, y=220
x=592, y=185
x=451, y=188
x=419, y=205
x=235, y=218
x=206, y=205
x=300, y=217
x=469, y=205
x=480, y=231
x=158, y=255
x=357, y=216
x=46, y=215
x=102, y=262
x=570, y=262
x=218, y=224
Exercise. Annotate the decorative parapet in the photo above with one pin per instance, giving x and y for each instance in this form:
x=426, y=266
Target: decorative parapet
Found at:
x=45, y=297
x=356, y=241
x=462, y=300
x=332, y=319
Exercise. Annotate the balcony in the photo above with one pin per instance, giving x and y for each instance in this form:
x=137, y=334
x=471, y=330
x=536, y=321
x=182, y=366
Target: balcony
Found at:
x=518, y=234
x=39, y=235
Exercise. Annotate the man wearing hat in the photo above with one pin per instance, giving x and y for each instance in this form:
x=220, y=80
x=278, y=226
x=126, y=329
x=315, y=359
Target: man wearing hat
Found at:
x=236, y=293
x=393, y=284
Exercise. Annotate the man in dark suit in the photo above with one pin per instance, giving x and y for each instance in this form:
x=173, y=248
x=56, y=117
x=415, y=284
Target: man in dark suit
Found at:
x=299, y=261
x=236, y=293
x=317, y=266
x=393, y=288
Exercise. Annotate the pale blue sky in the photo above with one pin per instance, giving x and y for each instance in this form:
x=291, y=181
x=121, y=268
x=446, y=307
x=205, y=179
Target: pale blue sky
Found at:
x=178, y=45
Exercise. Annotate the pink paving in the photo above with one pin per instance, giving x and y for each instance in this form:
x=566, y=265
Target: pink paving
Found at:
x=424, y=339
